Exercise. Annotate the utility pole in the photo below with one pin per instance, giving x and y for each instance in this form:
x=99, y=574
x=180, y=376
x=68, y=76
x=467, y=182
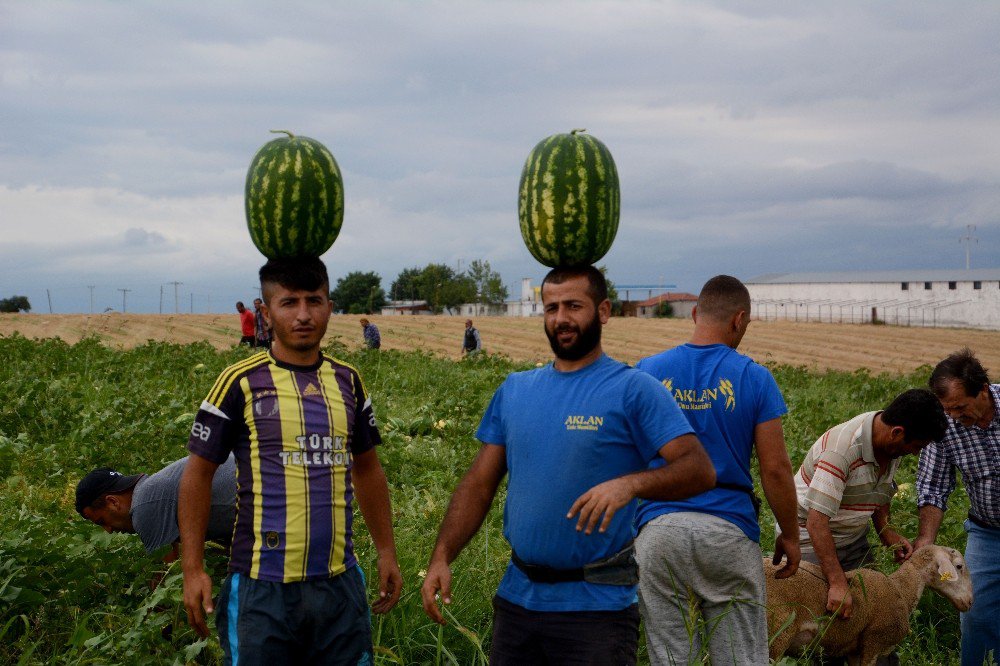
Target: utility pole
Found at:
x=161, y=299
x=967, y=239
x=91, y=288
x=124, y=294
x=49, y=296
x=176, y=302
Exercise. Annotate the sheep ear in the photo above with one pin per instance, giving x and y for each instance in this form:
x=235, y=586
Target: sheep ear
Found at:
x=945, y=569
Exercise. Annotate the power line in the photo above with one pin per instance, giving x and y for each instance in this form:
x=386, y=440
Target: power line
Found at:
x=176, y=302
x=967, y=240
x=124, y=294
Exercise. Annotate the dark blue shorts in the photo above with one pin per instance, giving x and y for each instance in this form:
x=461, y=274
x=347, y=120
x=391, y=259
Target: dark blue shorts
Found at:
x=522, y=637
x=312, y=622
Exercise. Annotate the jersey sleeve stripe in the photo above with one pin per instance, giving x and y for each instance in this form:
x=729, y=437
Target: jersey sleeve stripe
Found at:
x=231, y=374
x=212, y=409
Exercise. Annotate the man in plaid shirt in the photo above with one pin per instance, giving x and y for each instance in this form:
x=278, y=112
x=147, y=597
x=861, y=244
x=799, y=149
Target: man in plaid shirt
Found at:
x=972, y=446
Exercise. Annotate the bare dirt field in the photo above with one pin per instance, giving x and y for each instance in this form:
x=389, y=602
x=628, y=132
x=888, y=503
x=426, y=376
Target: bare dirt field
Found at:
x=818, y=346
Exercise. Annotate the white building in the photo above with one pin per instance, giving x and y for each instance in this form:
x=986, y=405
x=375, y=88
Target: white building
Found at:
x=407, y=308
x=681, y=303
x=960, y=298
x=530, y=303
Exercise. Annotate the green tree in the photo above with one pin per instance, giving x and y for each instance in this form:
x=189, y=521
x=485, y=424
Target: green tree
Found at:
x=359, y=293
x=616, y=304
x=15, y=304
x=438, y=284
x=489, y=287
x=664, y=309
x=406, y=286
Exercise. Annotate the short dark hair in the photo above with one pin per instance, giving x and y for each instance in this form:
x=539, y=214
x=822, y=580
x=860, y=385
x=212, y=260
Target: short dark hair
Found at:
x=722, y=297
x=920, y=414
x=301, y=273
x=962, y=366
x=597, y=284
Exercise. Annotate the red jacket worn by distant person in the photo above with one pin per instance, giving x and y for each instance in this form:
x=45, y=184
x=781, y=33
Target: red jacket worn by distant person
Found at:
x=247, y=322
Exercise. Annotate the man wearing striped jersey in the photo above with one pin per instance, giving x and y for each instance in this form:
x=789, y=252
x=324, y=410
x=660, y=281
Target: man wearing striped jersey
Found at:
x=301, y=427
x=846, y=480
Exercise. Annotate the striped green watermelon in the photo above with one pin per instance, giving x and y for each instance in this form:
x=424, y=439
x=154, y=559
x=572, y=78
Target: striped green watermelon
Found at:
x=569, y=200
x=294, y=197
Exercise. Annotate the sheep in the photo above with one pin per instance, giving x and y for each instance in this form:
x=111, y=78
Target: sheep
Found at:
x=882, y=605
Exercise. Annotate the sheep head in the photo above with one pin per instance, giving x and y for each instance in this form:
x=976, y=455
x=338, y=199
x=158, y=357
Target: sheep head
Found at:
x=949, y=576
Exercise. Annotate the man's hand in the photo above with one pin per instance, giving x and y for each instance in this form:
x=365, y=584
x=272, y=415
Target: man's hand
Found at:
x=787, y=545
x=899, y=545
x=198, y=601
x=390, y=584
x=604, y=499
x=438, y=580
x=922, y=541
x=839, y=601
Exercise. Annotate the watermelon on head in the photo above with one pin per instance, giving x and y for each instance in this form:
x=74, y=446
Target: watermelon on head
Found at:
x=569, y=200
x=294, y=197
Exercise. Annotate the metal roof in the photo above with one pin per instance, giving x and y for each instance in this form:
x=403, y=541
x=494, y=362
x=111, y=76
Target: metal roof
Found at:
x=909, y=275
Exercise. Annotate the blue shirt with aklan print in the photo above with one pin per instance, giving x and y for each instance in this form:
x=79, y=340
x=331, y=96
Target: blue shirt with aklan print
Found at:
x=563, y=433
x=724, y=395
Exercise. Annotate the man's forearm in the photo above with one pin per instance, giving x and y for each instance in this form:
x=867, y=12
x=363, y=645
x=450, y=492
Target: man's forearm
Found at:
x=688, y=472
x=779, y=490
x=194, y=503
x=818, y=526
x=930, y=518
x=465, y=514
x=373, y=498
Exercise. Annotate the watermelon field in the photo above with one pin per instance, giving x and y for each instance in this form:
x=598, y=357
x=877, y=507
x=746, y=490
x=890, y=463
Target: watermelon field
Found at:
x=71, y=594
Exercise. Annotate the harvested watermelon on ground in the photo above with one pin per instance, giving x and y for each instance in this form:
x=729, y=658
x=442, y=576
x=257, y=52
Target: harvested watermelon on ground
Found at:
x=569, y=200
x=294, y=197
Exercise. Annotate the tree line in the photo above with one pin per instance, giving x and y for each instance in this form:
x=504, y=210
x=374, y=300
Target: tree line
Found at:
x=15, y=304
x=440, y=285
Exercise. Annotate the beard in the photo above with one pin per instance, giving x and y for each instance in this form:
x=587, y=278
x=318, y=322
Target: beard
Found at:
x=587, y=338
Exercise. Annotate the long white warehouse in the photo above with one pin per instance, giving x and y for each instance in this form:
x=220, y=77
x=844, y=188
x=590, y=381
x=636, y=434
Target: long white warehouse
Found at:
x=959, y=298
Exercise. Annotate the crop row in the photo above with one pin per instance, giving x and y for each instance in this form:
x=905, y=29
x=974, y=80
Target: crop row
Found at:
x=71, y=594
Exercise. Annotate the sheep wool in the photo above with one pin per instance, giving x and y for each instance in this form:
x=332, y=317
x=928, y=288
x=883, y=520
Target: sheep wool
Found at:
x=796, y=606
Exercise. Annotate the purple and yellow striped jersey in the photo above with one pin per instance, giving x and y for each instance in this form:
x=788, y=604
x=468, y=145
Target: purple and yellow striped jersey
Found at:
x=293, y=431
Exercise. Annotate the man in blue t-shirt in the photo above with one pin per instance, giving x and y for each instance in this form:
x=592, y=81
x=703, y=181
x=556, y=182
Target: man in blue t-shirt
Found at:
x=575, y=439
x=703, y=552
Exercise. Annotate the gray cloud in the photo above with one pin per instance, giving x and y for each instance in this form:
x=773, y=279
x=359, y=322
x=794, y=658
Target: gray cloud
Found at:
x=750, y=137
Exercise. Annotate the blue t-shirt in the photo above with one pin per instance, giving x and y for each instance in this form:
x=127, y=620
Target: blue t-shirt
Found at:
x=564, y=433
x=724, y=395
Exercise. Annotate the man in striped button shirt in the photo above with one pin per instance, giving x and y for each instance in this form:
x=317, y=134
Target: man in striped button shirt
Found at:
x=846, y=480
x=972, y=446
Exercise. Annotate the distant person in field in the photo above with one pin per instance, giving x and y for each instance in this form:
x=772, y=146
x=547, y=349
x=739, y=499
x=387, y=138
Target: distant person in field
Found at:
x=471, y=342
x=262, y=331
x=247, y=325
x=301, y=426
x=370, y=331
x=971, y=445
x=146, y=504
x=575, y=439
x=703, y=552
x=846, y=483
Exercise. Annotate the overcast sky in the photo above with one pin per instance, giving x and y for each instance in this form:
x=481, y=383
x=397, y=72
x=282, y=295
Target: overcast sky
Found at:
x=749, y=137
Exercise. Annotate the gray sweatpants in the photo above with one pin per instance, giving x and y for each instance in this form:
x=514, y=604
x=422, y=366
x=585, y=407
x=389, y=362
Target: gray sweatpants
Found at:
x=701, y=583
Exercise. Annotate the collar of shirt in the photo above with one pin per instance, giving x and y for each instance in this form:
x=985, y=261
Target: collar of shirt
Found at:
x=865, y=434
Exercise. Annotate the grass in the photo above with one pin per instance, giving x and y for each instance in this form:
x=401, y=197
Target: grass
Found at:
x=71, y=594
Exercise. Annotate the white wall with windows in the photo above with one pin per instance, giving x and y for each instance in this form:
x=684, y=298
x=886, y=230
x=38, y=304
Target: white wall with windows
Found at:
x=958, y=298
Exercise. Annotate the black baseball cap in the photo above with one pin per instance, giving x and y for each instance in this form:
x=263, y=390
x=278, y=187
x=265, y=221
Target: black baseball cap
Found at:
x=102, y=481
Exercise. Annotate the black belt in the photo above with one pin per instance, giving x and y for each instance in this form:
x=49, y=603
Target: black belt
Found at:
x=618, y=569
x=982, y=523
